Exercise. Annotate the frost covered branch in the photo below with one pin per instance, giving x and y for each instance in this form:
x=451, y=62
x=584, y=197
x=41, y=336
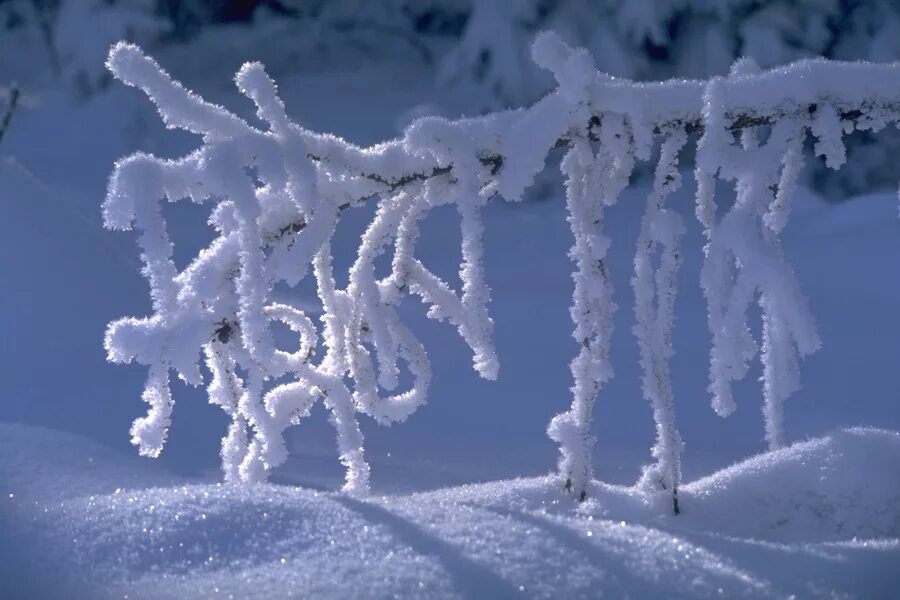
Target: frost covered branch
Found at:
x=276, y=195
x=275, y=211
x=662, y=107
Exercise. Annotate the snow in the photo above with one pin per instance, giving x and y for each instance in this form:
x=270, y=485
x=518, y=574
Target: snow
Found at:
x=810, y=524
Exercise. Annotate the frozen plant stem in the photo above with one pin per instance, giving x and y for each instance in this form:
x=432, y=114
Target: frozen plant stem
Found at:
x=654, y=303
x=744, y=257
x=277, y=193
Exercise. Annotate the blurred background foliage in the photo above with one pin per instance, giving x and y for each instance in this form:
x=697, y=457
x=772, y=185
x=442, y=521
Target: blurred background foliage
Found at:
x=476, y=50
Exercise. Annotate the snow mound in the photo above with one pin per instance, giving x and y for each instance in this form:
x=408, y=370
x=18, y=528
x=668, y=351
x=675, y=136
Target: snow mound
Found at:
x=269, y=541
x=840, y=486
x=40, y=464
x=522, y=538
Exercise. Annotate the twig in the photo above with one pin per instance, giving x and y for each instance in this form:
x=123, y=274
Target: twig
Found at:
x=738, y=122
x=10, y=109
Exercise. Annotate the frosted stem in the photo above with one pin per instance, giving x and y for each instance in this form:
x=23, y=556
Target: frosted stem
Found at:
x=654, y=297
x=591, y=312
x=276, y=195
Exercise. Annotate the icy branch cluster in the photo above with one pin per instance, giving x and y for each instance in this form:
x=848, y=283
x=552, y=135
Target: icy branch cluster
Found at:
x=276, y=195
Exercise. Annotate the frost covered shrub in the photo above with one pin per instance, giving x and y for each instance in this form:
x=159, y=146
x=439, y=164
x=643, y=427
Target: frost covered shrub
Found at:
x=273, y=231
x=276, y=195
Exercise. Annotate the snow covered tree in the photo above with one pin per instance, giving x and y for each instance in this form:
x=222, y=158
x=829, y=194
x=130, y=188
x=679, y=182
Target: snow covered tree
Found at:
x=276, y=195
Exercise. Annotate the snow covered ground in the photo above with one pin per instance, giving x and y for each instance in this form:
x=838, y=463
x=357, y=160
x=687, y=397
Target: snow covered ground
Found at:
x=82, y=516
x=804, y=521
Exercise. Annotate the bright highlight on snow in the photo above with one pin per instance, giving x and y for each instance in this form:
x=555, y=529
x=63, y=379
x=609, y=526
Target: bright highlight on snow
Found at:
x=277, y=194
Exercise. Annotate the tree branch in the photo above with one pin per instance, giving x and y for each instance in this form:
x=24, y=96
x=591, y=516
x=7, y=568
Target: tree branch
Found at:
x=693, y=126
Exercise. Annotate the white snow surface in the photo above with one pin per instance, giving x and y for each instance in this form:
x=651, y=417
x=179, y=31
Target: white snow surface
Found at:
x=804, y=520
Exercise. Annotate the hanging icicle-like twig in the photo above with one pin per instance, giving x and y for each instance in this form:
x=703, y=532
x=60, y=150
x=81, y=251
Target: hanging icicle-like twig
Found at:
x=277, y=193
x=655, y=290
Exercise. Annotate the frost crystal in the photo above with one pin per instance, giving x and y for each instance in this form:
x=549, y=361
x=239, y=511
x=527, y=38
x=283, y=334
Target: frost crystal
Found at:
x=277, y=194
